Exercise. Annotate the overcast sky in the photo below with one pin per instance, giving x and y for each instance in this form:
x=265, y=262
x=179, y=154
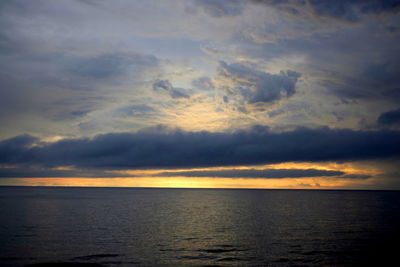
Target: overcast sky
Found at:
x=225, y=89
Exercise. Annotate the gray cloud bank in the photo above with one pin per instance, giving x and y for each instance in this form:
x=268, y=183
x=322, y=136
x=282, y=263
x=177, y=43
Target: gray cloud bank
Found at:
x=161, y=147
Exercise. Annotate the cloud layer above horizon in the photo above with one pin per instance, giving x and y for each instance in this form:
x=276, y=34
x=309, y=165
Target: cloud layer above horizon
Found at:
x=88, y=88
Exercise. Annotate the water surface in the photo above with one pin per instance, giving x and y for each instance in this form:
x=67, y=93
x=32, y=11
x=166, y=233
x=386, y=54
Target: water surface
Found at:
x=196, y=227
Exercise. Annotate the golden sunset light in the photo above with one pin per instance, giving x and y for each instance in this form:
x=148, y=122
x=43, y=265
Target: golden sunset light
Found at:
x=199, y=133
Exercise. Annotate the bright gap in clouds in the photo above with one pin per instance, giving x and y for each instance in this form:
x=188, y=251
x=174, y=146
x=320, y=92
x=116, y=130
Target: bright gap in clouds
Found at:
x=355, y=175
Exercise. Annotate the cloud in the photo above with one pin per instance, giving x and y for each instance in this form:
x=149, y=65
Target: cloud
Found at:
x=162, y=147
x=104, y=66
x=35, y=172
x=221, y=8
x=344, y=10
x=393, y=94
x=165, y=85
x=352, y=10
x=20, y=141
x=328, y=71
x=253, y=173
x=356, y=176
x=41, y=92
x=257, y=86
x=203, y=83
x=390, y=118
x=136, y=110
x=385, y=74
x=308, y=185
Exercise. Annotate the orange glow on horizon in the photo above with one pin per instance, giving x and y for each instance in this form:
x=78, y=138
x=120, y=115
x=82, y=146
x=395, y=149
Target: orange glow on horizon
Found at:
x=149, y=178
x=348, y=168
x=186, y=182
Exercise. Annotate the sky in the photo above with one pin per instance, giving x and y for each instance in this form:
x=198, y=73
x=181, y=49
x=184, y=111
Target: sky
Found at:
x=301, y=94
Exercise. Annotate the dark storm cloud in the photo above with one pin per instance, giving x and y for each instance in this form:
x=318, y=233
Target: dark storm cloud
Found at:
x=256, y=86
x=221, y=8
x=165, y=85
x=253, y=173
x=390, y=118
x=163, y=148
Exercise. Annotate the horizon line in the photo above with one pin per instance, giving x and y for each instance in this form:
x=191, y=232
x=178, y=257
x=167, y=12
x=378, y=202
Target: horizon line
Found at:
x=206, y=188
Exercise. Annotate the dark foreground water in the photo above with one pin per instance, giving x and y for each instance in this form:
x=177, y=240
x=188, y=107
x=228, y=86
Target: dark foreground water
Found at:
x=197, y=227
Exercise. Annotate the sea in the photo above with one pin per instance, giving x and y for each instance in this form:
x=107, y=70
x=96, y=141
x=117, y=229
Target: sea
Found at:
x=66, y=226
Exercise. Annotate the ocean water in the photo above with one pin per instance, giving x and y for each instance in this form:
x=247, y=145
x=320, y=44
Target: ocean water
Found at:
x=197, y=227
